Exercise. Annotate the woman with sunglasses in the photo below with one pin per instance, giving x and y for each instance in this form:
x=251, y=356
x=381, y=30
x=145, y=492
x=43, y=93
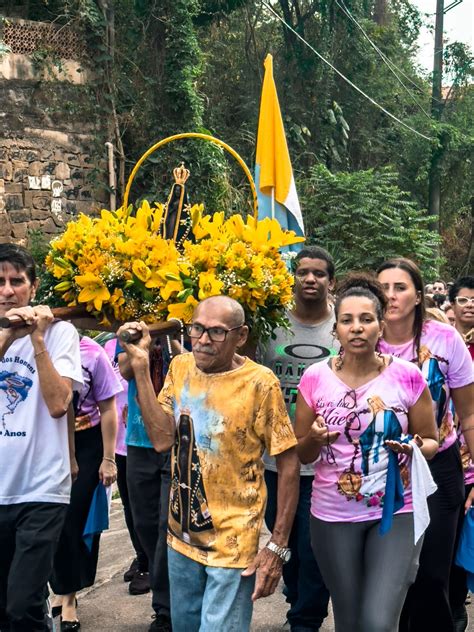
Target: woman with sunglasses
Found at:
x=461, y=299
x=354, y=414
x=441, y=354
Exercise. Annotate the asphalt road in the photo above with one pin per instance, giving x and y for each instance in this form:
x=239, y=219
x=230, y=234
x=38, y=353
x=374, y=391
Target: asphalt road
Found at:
x=107, y=606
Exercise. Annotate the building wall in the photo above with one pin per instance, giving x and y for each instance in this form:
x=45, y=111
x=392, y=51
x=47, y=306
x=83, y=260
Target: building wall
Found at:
x=52, y=154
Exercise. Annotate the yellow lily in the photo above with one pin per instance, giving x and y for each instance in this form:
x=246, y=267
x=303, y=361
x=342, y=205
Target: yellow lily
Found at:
x=93, y=290
x=183, y=311
x=141, y=270
x=209, y=285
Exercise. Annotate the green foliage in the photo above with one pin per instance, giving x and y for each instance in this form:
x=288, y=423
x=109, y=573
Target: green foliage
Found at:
x=197, y=65
x=46, y=63
x=363, y=218
x=38, y=245
x=4, y=49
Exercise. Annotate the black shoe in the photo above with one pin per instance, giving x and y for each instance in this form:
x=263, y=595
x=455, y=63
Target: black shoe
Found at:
x=140, y=584
x=70, y=626
x=130, y=574
x=161, y=623
x=56, y=611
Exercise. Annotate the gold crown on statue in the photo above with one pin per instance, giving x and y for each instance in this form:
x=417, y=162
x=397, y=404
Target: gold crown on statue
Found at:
x=181, y=174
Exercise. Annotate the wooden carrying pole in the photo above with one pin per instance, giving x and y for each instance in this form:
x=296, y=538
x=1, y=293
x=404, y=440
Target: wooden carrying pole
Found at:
x=83, y=320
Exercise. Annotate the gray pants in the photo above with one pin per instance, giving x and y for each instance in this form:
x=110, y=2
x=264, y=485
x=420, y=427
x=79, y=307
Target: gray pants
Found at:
x=368, y=575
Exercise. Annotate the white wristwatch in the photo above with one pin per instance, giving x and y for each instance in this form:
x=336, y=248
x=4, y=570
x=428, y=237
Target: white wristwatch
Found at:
x=283, y=552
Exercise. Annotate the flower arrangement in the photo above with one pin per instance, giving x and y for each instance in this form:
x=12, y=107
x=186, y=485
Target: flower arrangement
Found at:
x=120, y=267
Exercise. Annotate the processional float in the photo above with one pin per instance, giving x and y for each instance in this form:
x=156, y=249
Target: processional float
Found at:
x=156, y=262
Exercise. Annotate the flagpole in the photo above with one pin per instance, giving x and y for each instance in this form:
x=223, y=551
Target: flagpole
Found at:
x=273, y=202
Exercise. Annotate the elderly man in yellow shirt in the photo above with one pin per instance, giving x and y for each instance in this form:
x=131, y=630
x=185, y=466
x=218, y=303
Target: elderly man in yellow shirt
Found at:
x=219, y=410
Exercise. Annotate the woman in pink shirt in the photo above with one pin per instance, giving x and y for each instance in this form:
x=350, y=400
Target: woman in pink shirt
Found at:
x=440, y=353
x=352, y=415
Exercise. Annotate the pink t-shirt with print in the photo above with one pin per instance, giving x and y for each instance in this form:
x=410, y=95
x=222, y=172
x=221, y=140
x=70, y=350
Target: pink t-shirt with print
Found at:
x=445, y=363
x=350, y=474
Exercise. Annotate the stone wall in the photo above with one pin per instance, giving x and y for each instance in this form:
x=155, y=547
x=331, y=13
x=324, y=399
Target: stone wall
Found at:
x=45, y=184
x=52, y=153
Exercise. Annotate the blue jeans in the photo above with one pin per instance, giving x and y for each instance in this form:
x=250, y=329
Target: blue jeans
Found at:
x=208, y=598
x=305, y=590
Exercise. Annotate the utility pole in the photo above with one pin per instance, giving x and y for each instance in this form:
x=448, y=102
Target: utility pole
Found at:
x=437, y=106
x=434, y=183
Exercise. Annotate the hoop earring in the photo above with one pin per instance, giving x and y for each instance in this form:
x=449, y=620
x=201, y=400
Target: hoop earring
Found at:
x=339, y=361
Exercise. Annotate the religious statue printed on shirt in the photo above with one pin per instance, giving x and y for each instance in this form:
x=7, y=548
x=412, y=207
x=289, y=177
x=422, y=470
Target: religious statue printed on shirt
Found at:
x=368, y=484
x=374, y=454
x=189, y=519
x=430, y=367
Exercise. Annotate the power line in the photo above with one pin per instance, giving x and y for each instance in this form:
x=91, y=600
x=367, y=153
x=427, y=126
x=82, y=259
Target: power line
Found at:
x=389, y=61
x=390, y=65
x=346, y=79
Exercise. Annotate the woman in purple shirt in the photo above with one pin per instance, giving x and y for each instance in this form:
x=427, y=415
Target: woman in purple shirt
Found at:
x=95, y=412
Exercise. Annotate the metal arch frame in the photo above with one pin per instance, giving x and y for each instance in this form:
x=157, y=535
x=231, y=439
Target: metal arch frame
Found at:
x=205, y=137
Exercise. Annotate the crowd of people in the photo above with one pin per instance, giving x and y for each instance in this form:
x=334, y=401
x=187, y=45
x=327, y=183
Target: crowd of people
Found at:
x=350, y=433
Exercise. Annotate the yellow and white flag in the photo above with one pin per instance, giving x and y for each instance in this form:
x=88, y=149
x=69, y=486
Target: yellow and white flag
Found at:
x=276, y=190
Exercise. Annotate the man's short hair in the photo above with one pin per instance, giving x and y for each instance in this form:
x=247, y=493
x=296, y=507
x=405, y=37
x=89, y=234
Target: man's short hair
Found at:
x=316, y=252
x=235, y=309
x=465, y=281
x=19, y=258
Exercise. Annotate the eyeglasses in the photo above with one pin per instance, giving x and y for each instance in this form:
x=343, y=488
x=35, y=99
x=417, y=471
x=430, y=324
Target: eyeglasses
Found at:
x=462, y=301
x=216, y=334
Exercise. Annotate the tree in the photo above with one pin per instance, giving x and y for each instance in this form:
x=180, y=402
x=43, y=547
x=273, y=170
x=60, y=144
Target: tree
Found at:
x=197, y=65
x=363, y=218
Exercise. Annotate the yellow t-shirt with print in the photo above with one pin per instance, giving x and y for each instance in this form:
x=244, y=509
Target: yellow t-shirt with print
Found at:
x=224, y=422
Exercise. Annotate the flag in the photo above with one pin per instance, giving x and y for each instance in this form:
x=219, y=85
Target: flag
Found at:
x=276, y=190
x=98, y=516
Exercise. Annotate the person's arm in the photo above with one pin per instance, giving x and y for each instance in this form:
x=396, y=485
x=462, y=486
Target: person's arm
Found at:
x=159, y=425
x=268, y=565
x=125, y=367
x=312, y=433
x=108, y=426
x=422, y=425
x=10, y=334
x=55, y=389
x=463, y=400
x=71, y=429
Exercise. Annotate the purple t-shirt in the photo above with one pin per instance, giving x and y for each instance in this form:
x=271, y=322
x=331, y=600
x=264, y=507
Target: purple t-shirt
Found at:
x=445, y=363
x=350, y=474
x=100, y=383
x=121, y=399
x=467, y=461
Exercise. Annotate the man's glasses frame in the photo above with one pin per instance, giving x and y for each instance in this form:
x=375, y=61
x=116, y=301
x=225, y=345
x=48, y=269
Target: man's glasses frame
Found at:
x=462, y=301
x=216, y=334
